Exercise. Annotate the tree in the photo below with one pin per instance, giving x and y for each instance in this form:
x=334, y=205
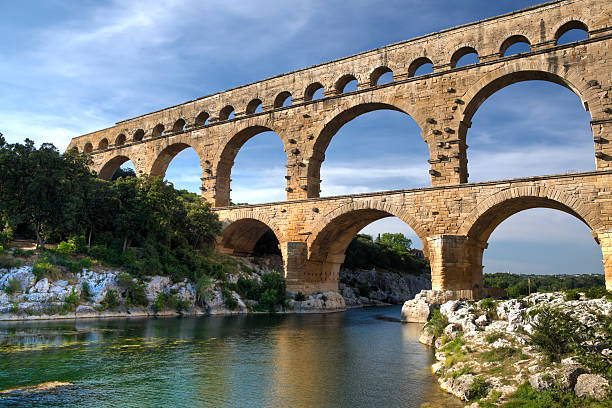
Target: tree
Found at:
x=202, y=224
x=397, y=241
x=39, y=187
x=123, y=172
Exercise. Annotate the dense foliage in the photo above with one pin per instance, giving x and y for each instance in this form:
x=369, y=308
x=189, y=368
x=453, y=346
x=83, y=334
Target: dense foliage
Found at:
x=558, y=334
x=143, y=224
x=388, y=251
x=521, y=285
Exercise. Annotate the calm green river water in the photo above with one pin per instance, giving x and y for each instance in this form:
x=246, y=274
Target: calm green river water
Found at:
x=360, y=358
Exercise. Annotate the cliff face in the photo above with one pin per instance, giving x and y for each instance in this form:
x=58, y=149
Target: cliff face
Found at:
x=372, y=287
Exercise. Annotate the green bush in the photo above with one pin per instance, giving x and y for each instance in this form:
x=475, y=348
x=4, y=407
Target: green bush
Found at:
x=66, y=248
x=437, y=323
x=12, y=286
x=572, y=294
x=7, y=262
x=597, y=293
x=72, y=300
x=479, y=389
x=556, y=333
x=125, y=280
x=299, y=297
x=169, y=301
x=203, y=286
x=44, y=269
x=501, y=354
x=493, y=337
x=527, y=397
x=86, y=294
x=98, y=252
x=228, y=299
x=110, y=301
x=86, y=263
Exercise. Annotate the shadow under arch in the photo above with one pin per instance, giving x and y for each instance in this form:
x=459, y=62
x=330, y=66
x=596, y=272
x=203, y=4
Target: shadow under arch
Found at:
x=240, y=235
x=163, y=159
x=331, y=128
x=332, y=235
x=110, y=167
x=225, y=161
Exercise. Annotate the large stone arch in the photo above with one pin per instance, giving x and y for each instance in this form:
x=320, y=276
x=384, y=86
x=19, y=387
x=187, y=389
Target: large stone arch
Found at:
x=482, y=221
x=333, y=233
x=347, y=110
x=167, y=150
x=520, y=71
x=242, y=230
x=109, y=167
x=227, y=154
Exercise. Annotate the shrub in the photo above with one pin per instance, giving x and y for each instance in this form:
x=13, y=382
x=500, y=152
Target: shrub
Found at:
x=572, y=294
x=454, y=346
x=202, y=289
x=98, y=252
x=598, y=292
x=437, y=323
x=66, y=248
x=169, y=300
x=42, y=269
x=299, y=297
x=458, y=373
x=14, y=307
x=228, y=299
x=125, y=280
x=86, y=291
x=72, y=300
x=110, y=300
x=479, y=389
x=136, y=295
x=12, y=286
x=555, y=333
x=493, y=337
x=6, y=262
x=86, y=262
x=526, y=396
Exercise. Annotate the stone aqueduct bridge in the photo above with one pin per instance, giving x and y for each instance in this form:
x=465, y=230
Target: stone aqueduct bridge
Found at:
x=453, y=218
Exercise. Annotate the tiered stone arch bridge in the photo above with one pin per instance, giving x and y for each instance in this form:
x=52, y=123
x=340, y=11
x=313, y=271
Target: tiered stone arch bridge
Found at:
x=453, y=217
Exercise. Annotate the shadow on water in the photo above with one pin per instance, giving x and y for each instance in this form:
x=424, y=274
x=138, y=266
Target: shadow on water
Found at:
x=360, y=358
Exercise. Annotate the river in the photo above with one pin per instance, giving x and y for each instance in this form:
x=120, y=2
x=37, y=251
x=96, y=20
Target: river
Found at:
x=360, y=358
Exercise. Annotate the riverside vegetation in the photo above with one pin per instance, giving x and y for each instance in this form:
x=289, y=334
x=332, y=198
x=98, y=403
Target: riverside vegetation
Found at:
x=138, y=245
x=547, y=349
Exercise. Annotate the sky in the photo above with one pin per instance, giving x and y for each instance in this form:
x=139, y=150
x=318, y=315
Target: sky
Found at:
x=68, y=68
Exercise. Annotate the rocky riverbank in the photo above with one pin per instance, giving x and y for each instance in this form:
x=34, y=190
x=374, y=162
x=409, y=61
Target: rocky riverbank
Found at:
x=102, y=292
x=539, y=351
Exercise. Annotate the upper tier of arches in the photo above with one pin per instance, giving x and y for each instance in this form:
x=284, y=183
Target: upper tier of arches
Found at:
x=222, y=108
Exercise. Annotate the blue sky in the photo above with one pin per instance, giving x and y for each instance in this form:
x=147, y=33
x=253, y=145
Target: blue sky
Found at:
x=69, y=67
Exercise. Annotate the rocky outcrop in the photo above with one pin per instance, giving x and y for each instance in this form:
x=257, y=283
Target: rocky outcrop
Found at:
x=46, y=299
x=327, y=301
x=592, y=386
x=490, y=339
x=365, y=287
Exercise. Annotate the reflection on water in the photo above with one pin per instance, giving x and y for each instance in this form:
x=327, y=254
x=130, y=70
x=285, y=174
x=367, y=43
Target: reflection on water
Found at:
x=361, y=358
